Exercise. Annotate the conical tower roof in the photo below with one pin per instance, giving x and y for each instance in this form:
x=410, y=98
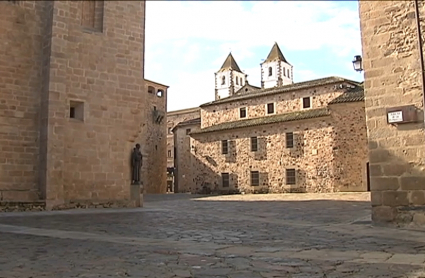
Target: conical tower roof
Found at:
x=230, y=63
x=275, y=54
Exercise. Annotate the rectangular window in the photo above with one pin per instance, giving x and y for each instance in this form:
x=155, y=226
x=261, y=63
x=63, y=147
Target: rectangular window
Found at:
x=225, y=179
x=290, y=176
x=306, y=102
x=92, y=15
x=255, y=178
x=187, y=131
x=242, y=112
x=270, y=108
x=289, y=140
x=169, y=153
x=76, y=110
x=254, y=144
x=224, y=147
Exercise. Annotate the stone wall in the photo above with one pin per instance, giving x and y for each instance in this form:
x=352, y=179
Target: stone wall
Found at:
x=393, y=78
x=99, y=72
x=154, y=171
x=174, y=118
x=320, y=156
x=350, y=145
x=256, y=107
x=184, y=173
x=73, y=100
x=22, y=28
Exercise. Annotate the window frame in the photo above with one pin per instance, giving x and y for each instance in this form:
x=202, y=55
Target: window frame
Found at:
x=224, y=146
x=245, y=109
x=309, y=102
x=287, y=139
x=274, y=108
x=291, y=179
x=225, y=177
x=253, y=178
x=252, y=140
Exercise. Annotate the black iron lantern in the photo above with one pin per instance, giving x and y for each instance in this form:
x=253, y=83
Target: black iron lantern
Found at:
x=358, y=63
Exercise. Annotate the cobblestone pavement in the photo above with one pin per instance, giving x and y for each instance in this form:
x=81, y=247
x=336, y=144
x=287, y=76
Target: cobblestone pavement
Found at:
x=238, y=236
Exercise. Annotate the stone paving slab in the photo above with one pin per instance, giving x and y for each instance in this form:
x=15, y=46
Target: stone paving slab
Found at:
x=282, y=235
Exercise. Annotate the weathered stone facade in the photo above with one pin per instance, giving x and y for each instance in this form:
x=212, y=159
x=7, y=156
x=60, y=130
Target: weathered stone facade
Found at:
x=329, y=150
x=291, y=137
x=183, y=159
x=174, y=118
x=72, y=99
x=154, y=175
x=393, y=78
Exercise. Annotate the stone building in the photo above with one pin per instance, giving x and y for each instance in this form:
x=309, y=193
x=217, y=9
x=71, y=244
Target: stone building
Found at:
x=283, y=137
x=74, y=102
x=173, y=119
x=394, y=100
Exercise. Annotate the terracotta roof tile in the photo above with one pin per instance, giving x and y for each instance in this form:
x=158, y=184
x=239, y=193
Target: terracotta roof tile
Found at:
x=287, y=117
x=282, y=89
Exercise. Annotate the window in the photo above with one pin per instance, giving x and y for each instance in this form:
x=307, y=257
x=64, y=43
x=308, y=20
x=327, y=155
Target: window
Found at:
x=270, y=71
x=242, y=112
x=151, y=90
x=289, y=75
x=237, y=81
x=223, y=80
x=254, y=144
x=284, y=71
x=290, y=176
x=187, y=131
x=225, y=179
x=224, y=147
x=76, y=110
x=289, y=140
x=160, y=93
x=306, y=102
x=92, y=15
x=255, y=178
x=241, y=80
x=270, y=108
x=169, y=153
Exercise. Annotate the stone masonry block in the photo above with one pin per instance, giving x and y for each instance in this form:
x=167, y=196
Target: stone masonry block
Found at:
x=412, y=183
x=395, y=198
x=417, y=197
x=376, y=198
x=394, y=170
x=384, y=183
x=383, y=214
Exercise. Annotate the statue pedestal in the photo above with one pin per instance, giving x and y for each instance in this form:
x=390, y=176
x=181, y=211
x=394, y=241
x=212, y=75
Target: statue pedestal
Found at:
x=136, y=194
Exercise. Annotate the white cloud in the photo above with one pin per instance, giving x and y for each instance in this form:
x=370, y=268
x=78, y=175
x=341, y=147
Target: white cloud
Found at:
x=192, y=31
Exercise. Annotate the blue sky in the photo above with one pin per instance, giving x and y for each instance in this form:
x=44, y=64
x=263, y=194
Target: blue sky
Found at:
x=188, y=41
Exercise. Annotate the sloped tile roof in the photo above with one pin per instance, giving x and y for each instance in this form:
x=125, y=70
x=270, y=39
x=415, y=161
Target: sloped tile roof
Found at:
x=188, y=122
x=230, y=63
x=287, y=117
x=282, y=89
x=353, y=95
x=275, y=54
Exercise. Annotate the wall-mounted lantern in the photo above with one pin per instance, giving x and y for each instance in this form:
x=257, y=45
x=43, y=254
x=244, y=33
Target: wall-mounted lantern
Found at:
x=358, y=63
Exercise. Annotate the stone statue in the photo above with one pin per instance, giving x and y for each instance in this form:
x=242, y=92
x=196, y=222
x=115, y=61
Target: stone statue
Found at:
x=136, y=165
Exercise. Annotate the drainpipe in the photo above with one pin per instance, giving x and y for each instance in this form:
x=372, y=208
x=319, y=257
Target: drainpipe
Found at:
x=421, y=55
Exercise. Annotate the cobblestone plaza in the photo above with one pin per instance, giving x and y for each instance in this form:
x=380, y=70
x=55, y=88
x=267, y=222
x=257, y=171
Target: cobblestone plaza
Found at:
x=236, y=236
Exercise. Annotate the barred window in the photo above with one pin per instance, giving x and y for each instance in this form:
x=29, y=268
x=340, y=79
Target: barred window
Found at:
x=255, y=178
x=290, y=176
